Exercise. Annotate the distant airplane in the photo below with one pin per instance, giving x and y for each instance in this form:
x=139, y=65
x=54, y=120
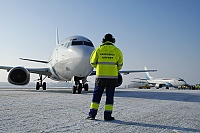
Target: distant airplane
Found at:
x=161, y=82
x=70, y=61
x=140, y=85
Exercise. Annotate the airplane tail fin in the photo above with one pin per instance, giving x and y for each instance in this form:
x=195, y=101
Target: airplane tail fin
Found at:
x=148, y=76
x=57, y=39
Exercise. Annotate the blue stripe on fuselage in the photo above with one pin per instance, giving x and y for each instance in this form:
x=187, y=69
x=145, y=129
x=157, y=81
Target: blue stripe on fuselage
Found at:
x=55, y=72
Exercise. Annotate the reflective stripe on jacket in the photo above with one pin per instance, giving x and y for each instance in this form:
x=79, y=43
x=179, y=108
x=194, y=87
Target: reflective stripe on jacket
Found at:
x=108, y=60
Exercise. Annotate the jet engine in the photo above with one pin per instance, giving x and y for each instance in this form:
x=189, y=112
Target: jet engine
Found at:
x=119, y=79
x=19, y=76
x=158, y=86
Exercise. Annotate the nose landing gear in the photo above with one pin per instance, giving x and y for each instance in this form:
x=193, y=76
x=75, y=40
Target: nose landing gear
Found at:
x=78, y=86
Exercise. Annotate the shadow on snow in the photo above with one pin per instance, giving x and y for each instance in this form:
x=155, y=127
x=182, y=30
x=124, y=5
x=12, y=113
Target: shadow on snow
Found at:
x=155, y=126
x=172, y=96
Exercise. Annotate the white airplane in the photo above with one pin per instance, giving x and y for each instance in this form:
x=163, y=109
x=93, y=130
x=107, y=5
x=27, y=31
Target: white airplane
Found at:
x=140, y=85
x=160, y=82
x=70, y=61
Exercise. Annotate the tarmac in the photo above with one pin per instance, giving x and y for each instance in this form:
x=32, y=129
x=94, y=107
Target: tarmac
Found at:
x=135, y=110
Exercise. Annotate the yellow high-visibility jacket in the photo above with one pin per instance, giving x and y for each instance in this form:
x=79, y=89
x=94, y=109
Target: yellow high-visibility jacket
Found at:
x=107, y=59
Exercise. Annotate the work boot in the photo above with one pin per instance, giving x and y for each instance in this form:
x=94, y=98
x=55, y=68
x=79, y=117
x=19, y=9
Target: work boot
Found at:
x=109, y=118
x=90, y=118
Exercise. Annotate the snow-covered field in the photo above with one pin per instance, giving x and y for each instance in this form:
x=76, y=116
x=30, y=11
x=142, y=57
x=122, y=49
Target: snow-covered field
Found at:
x=57, y=110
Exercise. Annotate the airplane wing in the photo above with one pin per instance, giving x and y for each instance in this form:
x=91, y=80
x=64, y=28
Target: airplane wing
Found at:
x=135, y=71
x=6, y=68
x=40, y=71
x=128, y=71
x=141, y=79
x=140, y=82
x=40, y=61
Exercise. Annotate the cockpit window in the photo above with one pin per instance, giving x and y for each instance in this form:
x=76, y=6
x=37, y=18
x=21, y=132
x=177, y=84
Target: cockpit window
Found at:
x=180, y=80
x=77, y=43
x=88, y=44
x=82, y=43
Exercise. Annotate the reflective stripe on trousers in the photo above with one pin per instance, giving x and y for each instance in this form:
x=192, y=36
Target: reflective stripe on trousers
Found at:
x=97, y=94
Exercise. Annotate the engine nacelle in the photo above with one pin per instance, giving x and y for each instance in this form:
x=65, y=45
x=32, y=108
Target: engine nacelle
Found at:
x=19, y=76
x=120, y=79
x=158, y=86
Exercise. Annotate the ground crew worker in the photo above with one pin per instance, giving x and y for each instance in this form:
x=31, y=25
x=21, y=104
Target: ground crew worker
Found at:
x=108, y=60
x=197, y=87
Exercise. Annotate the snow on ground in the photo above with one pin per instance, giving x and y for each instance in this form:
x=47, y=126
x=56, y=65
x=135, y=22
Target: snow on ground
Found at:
x=57, y=110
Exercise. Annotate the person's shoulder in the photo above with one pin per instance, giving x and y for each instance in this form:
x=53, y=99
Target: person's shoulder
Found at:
x=117, y=48
x=118, y=51
x=97, y=49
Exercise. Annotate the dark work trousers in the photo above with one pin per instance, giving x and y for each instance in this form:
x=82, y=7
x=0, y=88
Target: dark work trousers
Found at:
x=97, y=94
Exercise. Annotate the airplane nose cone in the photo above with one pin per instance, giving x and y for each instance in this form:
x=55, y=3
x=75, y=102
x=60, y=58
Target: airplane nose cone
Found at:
x=82, y=60
x=84, y=51
x=83, y=55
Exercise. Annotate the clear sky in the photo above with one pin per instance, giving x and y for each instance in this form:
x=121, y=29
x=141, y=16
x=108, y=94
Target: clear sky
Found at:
x=159, y=34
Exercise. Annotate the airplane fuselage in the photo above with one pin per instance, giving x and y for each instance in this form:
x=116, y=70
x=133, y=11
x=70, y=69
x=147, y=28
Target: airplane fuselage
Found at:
x=174, y=82
x=159, y=82
x=71, y=58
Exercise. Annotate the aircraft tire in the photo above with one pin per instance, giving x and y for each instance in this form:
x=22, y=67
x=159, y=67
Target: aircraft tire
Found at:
x=37, y=86
x=74, y=90
x=86, y=87
x=79, y=88
x=44, y=86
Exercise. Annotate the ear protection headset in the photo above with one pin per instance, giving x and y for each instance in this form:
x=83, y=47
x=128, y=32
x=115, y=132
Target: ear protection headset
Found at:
x=108, y=37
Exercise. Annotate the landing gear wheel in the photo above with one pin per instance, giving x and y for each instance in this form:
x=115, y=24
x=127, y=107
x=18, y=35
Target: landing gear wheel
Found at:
x=44, y=86
x=37, y=86
x=85, y=87
x=74, y=90
x=79, y=88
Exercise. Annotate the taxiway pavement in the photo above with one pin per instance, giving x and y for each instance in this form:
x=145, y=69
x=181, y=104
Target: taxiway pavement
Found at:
x=57, y=110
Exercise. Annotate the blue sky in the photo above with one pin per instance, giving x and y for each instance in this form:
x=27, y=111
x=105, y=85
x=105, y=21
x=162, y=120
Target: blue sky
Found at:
x=159, y=34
